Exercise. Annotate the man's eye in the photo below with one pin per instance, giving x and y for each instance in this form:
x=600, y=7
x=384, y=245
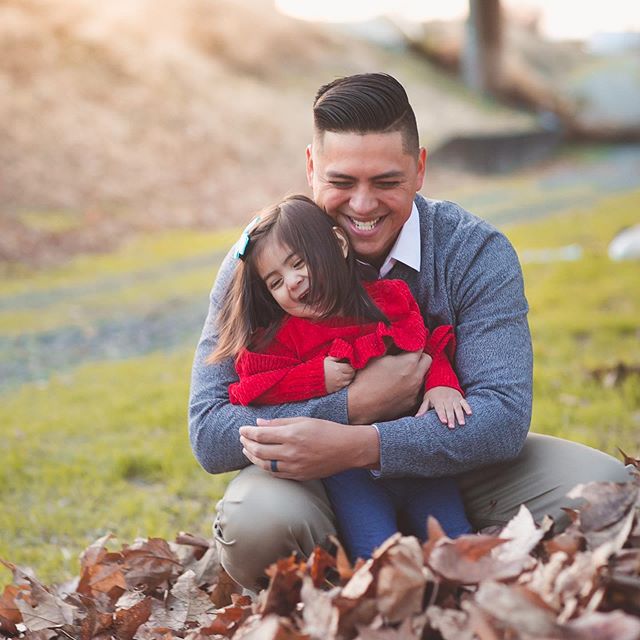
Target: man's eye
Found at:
x=388, y=184
x=341, y=184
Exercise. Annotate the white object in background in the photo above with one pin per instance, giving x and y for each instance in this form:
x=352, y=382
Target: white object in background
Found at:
x=568, y=253
x=626, y=245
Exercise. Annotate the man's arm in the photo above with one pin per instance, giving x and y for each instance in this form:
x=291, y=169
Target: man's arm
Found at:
x=494, y=364
x=213, y=420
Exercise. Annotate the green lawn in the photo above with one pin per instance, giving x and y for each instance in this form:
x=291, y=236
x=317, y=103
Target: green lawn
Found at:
x=103, y=447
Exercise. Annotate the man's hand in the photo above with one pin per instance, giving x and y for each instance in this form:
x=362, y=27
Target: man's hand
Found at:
x=309, y=448
x=388, y=387
x=448, y=403
x=337, y=375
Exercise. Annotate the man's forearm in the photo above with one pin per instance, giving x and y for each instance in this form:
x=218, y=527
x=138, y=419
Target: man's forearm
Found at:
x=214, y=421
x=495, y=432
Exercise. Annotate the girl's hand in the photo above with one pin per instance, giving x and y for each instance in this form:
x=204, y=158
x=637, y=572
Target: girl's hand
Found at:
x=337, y=375
x=448, y=403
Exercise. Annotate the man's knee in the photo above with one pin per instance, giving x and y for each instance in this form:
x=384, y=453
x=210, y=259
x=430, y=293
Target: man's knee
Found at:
x=546, y=470
x=262, y=518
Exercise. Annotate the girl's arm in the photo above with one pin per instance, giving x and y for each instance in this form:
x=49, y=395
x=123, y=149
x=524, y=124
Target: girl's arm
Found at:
x=267, y=379
x=441, y=344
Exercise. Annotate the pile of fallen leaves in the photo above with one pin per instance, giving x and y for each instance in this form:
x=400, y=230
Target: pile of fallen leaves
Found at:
x=525, y=582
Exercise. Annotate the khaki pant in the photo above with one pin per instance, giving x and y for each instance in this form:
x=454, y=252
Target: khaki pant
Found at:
x=262, y=518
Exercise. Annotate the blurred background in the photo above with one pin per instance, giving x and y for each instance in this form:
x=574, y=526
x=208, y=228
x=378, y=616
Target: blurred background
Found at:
x=136, y=137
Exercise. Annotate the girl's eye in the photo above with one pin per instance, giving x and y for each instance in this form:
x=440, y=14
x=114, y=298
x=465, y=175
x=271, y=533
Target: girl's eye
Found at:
x=298, y=264
x=274, y=284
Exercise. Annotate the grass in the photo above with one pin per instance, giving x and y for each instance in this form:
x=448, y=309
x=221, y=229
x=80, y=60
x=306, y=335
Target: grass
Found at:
x=585, y=316
x=104, y=446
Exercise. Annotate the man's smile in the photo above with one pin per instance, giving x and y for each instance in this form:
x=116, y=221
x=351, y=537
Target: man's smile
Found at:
x=364, y=225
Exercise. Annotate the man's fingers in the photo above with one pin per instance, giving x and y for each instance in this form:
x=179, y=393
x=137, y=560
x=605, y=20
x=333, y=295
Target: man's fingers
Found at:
x=260, y=434
x=276, y=422
x=266, y=465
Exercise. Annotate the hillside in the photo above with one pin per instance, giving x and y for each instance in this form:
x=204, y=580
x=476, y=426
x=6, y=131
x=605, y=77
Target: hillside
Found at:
x=133, y=115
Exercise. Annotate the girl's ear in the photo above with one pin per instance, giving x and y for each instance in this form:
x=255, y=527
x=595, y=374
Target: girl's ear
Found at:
x=342, y=240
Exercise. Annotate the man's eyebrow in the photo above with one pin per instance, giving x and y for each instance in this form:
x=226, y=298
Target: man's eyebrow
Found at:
x=381, y=176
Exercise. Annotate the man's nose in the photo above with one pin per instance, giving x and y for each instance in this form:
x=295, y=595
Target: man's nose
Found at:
x=363, y=201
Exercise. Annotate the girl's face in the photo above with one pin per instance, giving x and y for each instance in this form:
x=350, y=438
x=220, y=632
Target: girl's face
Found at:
x=286, y=277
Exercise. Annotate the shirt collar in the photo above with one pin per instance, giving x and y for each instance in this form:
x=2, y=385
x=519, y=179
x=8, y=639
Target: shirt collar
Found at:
x=407, y=245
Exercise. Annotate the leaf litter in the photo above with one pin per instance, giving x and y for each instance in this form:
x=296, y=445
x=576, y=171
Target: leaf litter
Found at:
x=526, y=582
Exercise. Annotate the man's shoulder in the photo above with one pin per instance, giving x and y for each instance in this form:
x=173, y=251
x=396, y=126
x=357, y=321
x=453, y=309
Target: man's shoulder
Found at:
x=443, y=217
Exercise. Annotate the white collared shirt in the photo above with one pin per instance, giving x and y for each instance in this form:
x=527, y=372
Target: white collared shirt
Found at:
x=407, y=245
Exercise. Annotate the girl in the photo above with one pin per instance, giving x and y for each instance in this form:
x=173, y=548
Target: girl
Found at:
x=299, y=323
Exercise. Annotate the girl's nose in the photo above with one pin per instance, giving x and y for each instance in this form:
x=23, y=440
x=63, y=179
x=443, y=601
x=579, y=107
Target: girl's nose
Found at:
x=294, y=280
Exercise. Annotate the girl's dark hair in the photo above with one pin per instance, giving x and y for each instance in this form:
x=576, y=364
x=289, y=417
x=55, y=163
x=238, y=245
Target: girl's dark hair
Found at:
x=250, y=316
x=366, y=103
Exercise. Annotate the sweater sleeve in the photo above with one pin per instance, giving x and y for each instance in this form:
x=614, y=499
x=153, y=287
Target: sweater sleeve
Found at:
x=441, y=347
x=213, y=420
x=271, y=379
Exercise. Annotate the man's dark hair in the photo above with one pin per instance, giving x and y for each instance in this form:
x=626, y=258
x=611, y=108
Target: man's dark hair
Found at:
x=366, y=103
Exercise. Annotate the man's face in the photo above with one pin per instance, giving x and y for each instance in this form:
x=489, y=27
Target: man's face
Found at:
x=366, y=183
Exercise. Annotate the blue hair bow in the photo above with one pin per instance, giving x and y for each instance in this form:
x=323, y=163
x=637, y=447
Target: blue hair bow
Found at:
x=243, y=243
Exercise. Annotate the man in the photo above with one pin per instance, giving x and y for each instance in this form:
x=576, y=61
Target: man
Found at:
x=365, y=168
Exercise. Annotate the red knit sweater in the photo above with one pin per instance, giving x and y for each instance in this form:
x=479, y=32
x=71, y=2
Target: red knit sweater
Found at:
x=291, y=368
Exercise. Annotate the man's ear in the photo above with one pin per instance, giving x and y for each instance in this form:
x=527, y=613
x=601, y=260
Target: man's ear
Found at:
x=422, y=167
x=342, y=240
x=310, y=165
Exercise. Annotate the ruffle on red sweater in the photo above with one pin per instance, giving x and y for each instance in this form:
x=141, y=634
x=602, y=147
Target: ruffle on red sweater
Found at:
x=408, y=335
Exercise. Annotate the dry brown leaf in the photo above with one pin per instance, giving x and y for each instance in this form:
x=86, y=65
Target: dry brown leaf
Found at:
x=319, y=614
x=9, y=613
x=469, y=560
x=225, y=587
x=149, y=563
x=401, y=580
x=451, y=623
x=45, y=634
x=343, y=565
x=606, y=503
x=516, y=607
x=226, y=621
x=410, y=629
x=127, y=620
x=629, y=460
x=615, y=625
x=360, y=582
x=319, y=564
x=353, y=614
x=283, y=592
x=271, y=627
x=521, y=535
x=42, y=610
